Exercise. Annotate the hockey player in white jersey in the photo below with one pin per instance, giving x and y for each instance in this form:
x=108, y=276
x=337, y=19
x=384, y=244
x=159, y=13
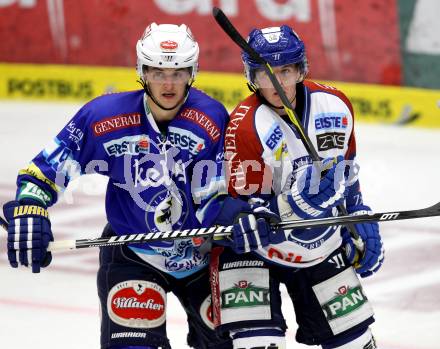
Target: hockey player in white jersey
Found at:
x=268, y=163
x=149, y=143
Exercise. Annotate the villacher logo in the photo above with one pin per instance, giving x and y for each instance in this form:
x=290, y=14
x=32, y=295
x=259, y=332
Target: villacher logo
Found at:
x=137, y=304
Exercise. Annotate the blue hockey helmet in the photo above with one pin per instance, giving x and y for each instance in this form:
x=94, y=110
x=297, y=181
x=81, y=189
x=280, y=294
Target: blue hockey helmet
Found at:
x=277, y=46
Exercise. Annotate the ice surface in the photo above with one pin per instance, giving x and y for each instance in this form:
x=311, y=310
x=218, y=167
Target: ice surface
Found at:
x=58, y=308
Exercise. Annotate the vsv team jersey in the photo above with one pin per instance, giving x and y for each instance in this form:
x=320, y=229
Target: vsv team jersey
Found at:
x=264, y=153
x=158, y=181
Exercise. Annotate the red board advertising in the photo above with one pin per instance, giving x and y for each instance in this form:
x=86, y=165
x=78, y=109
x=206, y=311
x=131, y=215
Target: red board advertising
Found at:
x=345, y=40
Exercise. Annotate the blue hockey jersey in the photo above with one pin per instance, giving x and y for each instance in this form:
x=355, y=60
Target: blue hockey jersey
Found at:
x=158, y=181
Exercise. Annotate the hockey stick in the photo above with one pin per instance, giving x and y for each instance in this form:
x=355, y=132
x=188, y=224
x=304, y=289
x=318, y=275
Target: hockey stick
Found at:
x=230, y=30
x=220, y=231
x=64, y=245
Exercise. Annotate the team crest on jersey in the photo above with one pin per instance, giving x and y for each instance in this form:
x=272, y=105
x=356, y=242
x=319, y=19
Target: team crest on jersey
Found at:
x=300, y=162
x=311, y=240
x=137, y=304
x=167, y=210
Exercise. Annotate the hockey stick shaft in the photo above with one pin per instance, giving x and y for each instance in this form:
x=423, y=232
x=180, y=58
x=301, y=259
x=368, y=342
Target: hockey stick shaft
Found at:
x=233, y=33
x=3, y=223
x=432, y=211
x=221, y=231
x=126, y=239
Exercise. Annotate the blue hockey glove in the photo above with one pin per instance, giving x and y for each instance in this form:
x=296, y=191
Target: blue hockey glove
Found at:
x=29, y=234
x=373, y=255
x=317, y=190
x=251, y=223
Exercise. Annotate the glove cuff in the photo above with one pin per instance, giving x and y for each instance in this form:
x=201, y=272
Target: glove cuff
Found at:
x=231, y=210
x=31, y=193
x=14, y=210
x=359, y=210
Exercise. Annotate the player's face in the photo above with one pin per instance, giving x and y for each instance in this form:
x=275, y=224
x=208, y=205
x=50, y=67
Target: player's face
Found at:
x=287, y=75
x=167, y=85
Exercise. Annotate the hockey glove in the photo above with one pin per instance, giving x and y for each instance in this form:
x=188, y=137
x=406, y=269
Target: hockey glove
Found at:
x=373, y=255
x=29, y=233
x=251, y=223
x=317, y=190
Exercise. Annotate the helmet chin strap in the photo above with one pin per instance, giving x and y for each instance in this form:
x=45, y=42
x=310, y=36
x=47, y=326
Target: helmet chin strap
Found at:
x=148, y=92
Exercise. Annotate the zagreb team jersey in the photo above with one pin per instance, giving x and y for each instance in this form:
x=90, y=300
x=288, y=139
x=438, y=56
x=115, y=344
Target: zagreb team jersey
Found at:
x=264, y=151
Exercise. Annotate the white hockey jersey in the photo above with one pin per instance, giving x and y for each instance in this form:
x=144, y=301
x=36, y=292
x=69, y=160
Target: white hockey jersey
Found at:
x=264, y=151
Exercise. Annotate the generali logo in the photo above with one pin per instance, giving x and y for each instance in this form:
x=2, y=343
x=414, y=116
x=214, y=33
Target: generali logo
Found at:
x=168, y=45
x=115, y=123
x=137, y=303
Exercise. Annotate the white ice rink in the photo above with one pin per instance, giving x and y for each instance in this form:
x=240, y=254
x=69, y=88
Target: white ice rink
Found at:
x=59, y=307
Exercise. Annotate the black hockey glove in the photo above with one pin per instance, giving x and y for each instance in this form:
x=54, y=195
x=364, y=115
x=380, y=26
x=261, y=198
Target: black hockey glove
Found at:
x=29, y=234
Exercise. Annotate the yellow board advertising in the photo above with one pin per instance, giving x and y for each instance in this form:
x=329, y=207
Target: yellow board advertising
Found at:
x=62, y=83
x=393, y=105
x=371, y=103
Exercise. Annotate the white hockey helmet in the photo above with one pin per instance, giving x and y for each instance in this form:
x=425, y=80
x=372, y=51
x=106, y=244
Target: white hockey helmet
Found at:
x=167, y=46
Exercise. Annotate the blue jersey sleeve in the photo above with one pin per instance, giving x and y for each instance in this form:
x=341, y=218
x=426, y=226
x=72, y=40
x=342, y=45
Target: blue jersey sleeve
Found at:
x=209, y=183
x=65, y=157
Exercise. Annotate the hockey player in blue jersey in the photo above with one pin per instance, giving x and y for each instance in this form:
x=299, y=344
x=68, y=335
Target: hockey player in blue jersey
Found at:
x=162, y=149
